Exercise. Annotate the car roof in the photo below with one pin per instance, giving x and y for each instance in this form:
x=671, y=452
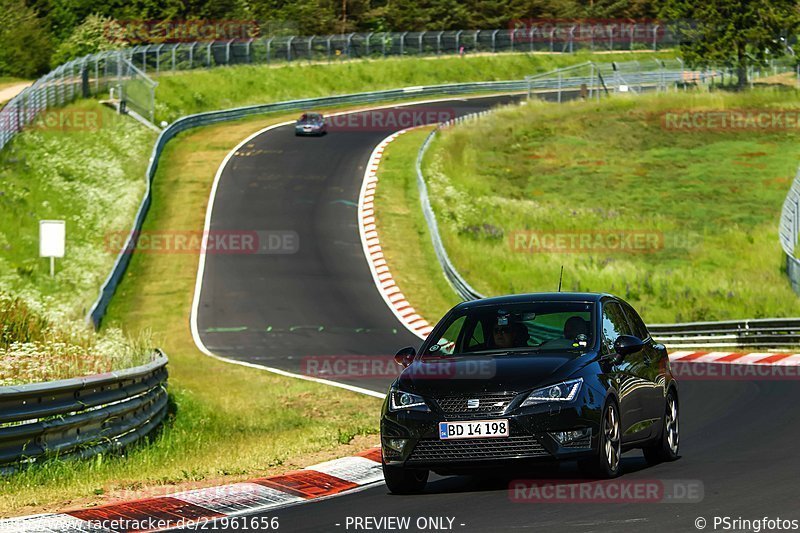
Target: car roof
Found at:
x=536, y=297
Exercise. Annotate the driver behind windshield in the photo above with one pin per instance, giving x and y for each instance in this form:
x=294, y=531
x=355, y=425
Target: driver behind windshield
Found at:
x=514, y=335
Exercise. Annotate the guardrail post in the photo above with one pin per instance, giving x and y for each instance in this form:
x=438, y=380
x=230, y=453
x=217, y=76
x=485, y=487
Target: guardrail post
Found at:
x=559, y=87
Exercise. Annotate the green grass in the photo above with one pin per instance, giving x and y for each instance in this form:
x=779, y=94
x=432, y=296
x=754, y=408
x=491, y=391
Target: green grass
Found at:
x=93, y=178
x=229, y=422
x=205, y=90
x=405, y=239
x=715, y=196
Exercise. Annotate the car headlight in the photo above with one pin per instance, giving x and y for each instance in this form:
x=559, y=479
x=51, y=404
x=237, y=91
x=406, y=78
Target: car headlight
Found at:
x=405, y=401
x=566, y=391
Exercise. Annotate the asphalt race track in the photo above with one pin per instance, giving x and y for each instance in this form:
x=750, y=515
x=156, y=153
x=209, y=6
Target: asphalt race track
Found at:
x=276, y=309
x=739, y=439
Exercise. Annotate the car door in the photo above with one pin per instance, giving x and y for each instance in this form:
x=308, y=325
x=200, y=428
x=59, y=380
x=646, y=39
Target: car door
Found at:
x=654, y=370
x=627, y=373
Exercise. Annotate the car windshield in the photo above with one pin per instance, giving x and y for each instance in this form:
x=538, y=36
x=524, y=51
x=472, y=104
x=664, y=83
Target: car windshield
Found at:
x=516, y=328
x=309, y=118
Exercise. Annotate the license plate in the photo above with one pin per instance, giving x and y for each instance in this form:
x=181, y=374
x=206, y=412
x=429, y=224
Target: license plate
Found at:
x=474, y=429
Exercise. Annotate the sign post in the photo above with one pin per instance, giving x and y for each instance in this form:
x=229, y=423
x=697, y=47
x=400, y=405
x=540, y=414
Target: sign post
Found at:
x=52, y=235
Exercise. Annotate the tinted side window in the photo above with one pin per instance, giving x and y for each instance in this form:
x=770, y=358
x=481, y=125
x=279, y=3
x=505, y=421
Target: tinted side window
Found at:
x=614, y=324
x=637, y=325
x=447, y=344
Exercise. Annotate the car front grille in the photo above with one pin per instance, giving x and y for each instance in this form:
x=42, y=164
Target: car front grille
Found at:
x=491, y=404
x=443, y=451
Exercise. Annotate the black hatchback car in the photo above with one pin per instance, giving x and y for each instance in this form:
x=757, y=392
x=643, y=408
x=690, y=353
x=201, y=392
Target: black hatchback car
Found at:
x=516, y=380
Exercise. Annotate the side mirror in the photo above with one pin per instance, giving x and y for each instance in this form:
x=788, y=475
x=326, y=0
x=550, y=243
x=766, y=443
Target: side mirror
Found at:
x=628, y=344
x=405, y=356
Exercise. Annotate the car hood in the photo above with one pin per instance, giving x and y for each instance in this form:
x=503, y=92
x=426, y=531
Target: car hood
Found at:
x=472, y=374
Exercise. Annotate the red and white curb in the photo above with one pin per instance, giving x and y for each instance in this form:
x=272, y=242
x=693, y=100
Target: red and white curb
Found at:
x=202, y=506
x=381, y=273
x=738, y=358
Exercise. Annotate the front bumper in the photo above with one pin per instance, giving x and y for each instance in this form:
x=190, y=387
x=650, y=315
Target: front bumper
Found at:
x=530, y=437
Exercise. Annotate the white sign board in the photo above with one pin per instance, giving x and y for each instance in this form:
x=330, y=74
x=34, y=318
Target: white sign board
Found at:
x=623, y=88
x=52, y=235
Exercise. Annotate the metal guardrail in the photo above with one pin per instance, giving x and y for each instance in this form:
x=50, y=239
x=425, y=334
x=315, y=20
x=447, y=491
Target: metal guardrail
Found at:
x=81, y=417
x=542, y=82
x=767, y=333
x=789, y=231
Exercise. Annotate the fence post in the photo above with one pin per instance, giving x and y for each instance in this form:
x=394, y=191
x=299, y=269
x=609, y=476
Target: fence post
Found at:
x=269, y=45
x=208, y=54
x=228, y=52
x=289, y=49
x=439, y=43
x=494, y=41
x=403, y=44
x=420, y=42
x=366, y=44
x=655, y=37
x=458, y=41
x=172, y=53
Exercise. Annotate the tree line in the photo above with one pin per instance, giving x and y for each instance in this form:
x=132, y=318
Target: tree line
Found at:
x=36, y=35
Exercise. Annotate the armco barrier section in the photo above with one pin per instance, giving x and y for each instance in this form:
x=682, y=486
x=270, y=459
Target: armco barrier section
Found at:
x=789, y=231
x=81, y=417
x=765, y=333
x=652, y=73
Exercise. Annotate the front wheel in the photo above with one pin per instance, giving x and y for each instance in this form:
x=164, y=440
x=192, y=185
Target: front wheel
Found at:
x=401, y=480
x=605, y=464
x=666, y=447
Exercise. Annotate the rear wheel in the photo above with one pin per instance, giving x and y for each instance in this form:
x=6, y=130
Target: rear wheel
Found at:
x=606, y=463
x=401, y=480
x=665, y=448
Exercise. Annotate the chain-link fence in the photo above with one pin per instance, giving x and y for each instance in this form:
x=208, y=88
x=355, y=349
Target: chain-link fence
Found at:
x=562, y=37
x=88, y=76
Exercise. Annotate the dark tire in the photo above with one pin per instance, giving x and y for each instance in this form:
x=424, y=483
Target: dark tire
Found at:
x=401, y=480
x=665, y=447
x=606, y=463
